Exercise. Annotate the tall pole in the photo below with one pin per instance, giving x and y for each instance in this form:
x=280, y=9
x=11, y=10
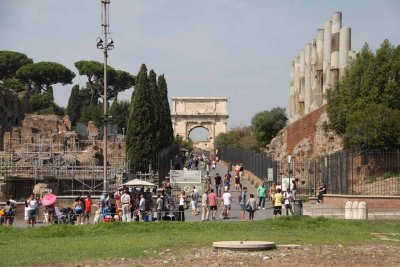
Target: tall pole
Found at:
x=105, y=25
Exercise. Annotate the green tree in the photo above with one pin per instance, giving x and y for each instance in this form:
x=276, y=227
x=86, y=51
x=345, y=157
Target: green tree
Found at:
x=92, y=113
x=140, y=136
x=167, y=132
x=267, y=124
x=119, y=111
x=363, y=106
x=43, y=104
x=10, y=62
x=239, y=137
x=156, y=105
x=74, y=104
x=41, y=76
x=117, y=80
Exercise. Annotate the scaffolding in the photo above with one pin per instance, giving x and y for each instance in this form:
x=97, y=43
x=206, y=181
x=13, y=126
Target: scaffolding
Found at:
x=64, y=165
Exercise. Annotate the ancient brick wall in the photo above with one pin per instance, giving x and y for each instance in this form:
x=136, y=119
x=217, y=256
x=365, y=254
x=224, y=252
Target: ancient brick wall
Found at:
x=302, y=129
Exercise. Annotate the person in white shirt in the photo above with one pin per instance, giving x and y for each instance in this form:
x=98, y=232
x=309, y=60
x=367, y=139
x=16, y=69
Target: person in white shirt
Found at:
x=142, y=207
x=125, y=201
x=226, y=200
x=288, y=199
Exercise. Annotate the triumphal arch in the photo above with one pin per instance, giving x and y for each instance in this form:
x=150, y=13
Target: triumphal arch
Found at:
x=189, y=113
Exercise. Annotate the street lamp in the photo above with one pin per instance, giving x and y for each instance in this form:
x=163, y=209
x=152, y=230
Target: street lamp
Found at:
x=105, y=45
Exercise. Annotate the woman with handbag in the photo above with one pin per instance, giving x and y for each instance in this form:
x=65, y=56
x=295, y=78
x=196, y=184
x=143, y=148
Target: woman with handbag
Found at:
x=251, y=206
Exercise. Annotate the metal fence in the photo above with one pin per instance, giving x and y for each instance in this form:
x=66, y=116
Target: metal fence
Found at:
x=347, y=172
x=260, y=164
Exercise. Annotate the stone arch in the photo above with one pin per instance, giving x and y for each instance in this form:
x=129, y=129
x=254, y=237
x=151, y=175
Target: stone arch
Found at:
x=189, y=113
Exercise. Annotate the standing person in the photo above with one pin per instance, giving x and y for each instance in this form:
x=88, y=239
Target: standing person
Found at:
x=288, y=199
x=78, y=209
x=226, y=200
x=213, y=164
x=13, y=211
x=181, y=207
x=218, y=180
x=195, y=198
x=321, y=192
x=251, y=204
x=204, y=207
x=142, y=208
x=242, y=202
x=88, y=209
x=213, y=203
x=159, y=206
x=278, y=200
x=125, y=200
x=272, y=192
x=32, y=205
x=261, y=192
x=237, y=170
x=293, y=188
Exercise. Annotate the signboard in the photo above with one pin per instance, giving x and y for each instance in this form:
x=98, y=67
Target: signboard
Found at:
x=270, y=174
x=286, y=183
x=185, y=176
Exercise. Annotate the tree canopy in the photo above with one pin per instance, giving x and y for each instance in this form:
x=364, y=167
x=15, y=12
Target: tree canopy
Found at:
x=267, y=124
x=10, y=62
x=42, y=75
x=364, y=105
x=239, y=137
x=117, y=80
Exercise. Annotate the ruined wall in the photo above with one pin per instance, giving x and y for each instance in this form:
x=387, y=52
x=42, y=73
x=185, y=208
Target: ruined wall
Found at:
x=305, y=138
x=13, y=106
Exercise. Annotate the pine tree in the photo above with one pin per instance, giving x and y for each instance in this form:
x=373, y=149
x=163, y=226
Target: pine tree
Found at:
x=140, y=135
x=167, y=133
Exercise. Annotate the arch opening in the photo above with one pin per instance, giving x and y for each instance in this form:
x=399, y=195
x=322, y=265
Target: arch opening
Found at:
x=200, y=137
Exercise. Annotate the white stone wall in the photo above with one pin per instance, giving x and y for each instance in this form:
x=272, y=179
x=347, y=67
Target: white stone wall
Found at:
x=319, y=65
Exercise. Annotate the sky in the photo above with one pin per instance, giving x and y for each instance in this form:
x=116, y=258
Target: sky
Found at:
x=237, y=49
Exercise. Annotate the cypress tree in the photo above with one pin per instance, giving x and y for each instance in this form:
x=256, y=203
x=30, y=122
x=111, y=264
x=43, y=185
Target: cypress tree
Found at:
x=167, y=134
x=140, y=136
x=156, y=104
x=74, y=105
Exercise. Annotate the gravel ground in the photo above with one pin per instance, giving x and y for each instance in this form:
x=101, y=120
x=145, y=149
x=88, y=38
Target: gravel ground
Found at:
x=308, y=255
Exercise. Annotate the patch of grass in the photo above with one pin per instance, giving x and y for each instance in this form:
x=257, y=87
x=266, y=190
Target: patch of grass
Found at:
x=68, y=243
x=371, y=179
x=388, y=175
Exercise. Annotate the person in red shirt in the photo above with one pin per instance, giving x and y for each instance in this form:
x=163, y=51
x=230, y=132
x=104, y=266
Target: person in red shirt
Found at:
x=88, y=209
x=212, y=203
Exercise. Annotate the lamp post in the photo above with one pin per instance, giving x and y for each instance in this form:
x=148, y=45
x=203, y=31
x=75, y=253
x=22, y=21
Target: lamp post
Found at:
x=105, y=45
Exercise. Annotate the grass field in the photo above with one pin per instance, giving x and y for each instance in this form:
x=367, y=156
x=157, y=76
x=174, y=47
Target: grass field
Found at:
x=67, y=243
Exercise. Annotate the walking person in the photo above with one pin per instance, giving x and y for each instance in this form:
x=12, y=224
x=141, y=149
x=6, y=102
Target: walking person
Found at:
x=204, y=207
x=226, y=201
x=251, y=204
x=261, y=192
x=242, y=202
x=195, y=199
x=125, y=202
x=88, y=209
x=213, y=204
x=13, y=210
x=288, y=200
x=218, y=180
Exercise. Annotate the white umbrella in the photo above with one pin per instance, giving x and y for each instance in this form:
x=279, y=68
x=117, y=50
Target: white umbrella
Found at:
x=137, y=182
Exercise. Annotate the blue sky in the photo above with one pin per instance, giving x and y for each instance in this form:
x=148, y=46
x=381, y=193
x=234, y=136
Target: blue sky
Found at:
x=238, y=49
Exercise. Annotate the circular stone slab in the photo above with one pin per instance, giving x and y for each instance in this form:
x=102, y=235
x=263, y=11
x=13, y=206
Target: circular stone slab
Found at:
x=244, y=245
